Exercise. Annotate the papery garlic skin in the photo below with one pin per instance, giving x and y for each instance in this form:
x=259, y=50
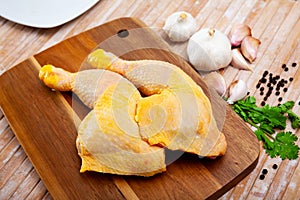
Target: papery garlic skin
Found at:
x=216, y=81
x=237, y=91
x=209, y=49
x=238, y=61
x=238, y=33
x=179, y=26
x=249, y=48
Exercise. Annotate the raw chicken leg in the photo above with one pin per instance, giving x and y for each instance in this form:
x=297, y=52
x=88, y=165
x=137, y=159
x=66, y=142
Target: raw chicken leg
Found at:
x=108, y=137
x=176, y=113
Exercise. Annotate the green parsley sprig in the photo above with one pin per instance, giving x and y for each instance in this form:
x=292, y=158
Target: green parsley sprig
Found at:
x=266, y=120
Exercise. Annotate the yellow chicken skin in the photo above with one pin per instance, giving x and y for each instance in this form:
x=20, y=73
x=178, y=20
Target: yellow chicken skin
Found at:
x=108, y=137
x=85, y=84
x=185, y=116
x=126, y=133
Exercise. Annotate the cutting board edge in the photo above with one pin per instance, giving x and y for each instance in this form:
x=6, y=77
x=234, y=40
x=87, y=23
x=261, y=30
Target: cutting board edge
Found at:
x=232, y=183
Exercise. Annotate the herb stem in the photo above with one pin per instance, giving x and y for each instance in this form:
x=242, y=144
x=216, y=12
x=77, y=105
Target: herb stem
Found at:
x=257, y=127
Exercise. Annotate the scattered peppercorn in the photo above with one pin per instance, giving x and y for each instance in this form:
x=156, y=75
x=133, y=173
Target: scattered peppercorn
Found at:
x=286, y=69
x=262, y=177
x=258, y=85
x=272, y=82
x=262, y=89
x=277, y=88
x=248, y=93
x=264, y=171
x=294, y=64
x=274, y=166
x=263, y=103
x=265, y=73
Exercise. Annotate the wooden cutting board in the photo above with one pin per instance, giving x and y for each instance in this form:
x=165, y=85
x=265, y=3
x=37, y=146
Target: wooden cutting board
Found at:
x=44, y=122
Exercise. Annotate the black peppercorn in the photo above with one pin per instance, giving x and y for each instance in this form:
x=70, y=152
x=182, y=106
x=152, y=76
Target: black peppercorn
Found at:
x=285, y=89
x=264, y=171
x=286, y=69
x=274, y=166
x=263, y=103
x=262, y=177
x=265, y=73
x=263, y=80
x=291, y=79
x=258, y=85
x=283, y=66
x=277, y=88
x=294, y=64
x=280, y=99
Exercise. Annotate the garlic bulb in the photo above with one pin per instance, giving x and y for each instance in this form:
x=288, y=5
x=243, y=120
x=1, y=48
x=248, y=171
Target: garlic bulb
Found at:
x=238, y=61
x=237, y=91
x=209, y=49
x=179, y=26
x=216, y=81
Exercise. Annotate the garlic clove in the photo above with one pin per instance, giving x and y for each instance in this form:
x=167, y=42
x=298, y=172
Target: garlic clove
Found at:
x=238, y=61
x=179, y=26
x=237, y=90
x=249, y=48
x=216, y=81
x=238, y=33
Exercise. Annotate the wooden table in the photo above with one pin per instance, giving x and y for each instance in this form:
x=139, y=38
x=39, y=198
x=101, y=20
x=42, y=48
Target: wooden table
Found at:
x=275, y=23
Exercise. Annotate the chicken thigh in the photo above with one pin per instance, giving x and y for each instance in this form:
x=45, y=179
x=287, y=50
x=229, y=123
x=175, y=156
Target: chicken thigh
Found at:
x=175, y=112
x=108, y=137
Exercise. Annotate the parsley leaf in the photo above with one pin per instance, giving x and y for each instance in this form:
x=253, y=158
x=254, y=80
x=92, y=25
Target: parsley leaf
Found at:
x=267, y=120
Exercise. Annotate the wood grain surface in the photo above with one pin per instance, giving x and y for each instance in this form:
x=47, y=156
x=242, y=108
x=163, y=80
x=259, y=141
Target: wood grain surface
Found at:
x=275, y=23
x=44, y=123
